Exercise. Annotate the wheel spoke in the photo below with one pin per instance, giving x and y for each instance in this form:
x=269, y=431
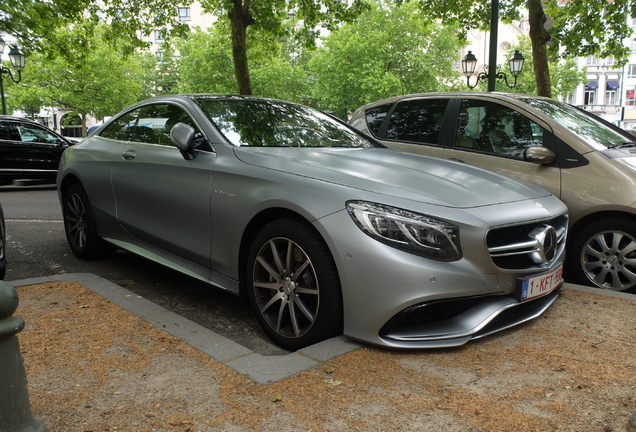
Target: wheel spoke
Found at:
x=306, y=290
x=629, y=247
x=276, y=256
x=294, y=320
x=281, y=314
x=274, y=299
x=304, y=309
x=590, y=251
x=288, y=257
x=299, y=272
x=274, y=286
x=270, y=269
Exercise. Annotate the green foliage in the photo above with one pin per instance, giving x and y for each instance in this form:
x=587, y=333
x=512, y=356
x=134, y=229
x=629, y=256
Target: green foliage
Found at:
x=272, y=16
x=207, y=66
x=387, y=51
x=101, y=83
x=35, y=23
x=591, y=27
x=269, y=18
x=580, y=27
x=565, y=74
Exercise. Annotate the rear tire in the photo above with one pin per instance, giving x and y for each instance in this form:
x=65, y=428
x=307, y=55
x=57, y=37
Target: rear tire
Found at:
x=79, y=224
x=603, y=255
x=293, y=285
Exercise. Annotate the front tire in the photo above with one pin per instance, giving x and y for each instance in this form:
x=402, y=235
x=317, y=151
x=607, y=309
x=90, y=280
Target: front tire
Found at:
x=603, y=255
x=79, y=224
x=293, y=285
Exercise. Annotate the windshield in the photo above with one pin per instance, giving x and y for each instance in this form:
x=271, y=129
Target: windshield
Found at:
x=271, y=123
x=584, y=125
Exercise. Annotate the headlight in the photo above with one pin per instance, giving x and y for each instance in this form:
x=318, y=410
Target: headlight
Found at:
x=412, y=232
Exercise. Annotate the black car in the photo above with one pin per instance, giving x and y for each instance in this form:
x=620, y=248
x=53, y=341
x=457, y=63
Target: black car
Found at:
x=28, y=150
x=3, y=258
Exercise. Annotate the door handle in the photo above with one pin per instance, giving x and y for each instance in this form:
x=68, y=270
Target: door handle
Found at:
x=129, y=155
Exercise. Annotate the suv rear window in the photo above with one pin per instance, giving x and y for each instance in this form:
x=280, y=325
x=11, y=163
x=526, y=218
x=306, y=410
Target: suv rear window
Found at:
x=375, y=117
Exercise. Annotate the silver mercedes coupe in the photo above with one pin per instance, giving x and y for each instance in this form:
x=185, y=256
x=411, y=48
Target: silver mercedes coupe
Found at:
x=323, y=229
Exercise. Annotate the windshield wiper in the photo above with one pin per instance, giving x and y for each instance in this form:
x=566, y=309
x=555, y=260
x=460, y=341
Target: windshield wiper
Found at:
x=623, y=145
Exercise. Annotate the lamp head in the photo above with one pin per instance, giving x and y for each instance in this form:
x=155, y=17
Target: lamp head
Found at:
x=516, y=63
x=469, y=63
x=17, y=57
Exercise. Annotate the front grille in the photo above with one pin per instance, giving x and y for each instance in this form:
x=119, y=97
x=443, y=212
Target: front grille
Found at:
x=527, y=246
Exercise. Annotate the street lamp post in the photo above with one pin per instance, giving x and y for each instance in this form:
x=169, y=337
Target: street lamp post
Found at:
x=493, y=73
x=515, y=65
x=18, y=59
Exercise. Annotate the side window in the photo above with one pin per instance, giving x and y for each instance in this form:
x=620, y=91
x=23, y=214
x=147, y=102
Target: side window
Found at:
x=494, y=128
x=120, y=128
x=8, y=132
x=375, y=117
x=34, y=134
x=152, y=124
x=417, y=120
x=160, y=119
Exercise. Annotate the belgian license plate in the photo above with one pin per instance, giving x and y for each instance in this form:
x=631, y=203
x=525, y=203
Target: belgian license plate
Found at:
x=538, y=285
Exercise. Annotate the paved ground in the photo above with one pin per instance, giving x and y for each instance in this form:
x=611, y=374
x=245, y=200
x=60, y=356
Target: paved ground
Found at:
x=94, y=365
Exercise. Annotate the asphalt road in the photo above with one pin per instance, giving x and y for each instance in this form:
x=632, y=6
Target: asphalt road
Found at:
x=36, y=246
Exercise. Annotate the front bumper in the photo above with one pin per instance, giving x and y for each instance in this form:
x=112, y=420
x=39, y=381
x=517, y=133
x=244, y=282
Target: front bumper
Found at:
x=396, y=299
x=449, y=323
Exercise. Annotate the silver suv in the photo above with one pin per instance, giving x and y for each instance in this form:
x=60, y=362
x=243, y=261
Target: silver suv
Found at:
x=588, y=163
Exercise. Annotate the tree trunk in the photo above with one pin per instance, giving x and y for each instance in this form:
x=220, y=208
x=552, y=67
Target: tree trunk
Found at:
x=240, y=19
x=539, y=37
x=84, y=116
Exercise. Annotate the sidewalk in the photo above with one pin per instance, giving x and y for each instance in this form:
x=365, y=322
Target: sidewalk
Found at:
x=100, y=358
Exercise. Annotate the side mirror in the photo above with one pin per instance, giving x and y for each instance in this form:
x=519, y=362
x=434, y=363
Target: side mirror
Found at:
x=539, y=155
x=182, y=137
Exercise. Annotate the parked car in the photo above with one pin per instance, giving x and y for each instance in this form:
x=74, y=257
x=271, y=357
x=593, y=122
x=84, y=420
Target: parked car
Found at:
x=589, y=164
x=28, y=150
x=323, y=229
x=3, y=238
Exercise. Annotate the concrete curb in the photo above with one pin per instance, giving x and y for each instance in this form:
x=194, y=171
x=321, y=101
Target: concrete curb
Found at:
x=260, y=368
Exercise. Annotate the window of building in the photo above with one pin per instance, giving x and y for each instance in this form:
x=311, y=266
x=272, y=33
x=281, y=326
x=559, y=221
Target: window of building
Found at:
x=590, y=97
x=631, y=71
x=610, y=97
x=184, y=14
x=159, y=36
x=630, y=97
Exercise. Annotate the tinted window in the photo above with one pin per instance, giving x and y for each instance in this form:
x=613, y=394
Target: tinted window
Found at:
x=8, y=132
x=34, y=134
x=278, y=124
x=375, y=116
x=417, y=120
x=119, y=128
x=495, y=128
x=593, y=132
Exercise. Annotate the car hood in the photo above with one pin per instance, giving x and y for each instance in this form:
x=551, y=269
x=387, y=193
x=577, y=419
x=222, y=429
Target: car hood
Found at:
x=390, y=172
